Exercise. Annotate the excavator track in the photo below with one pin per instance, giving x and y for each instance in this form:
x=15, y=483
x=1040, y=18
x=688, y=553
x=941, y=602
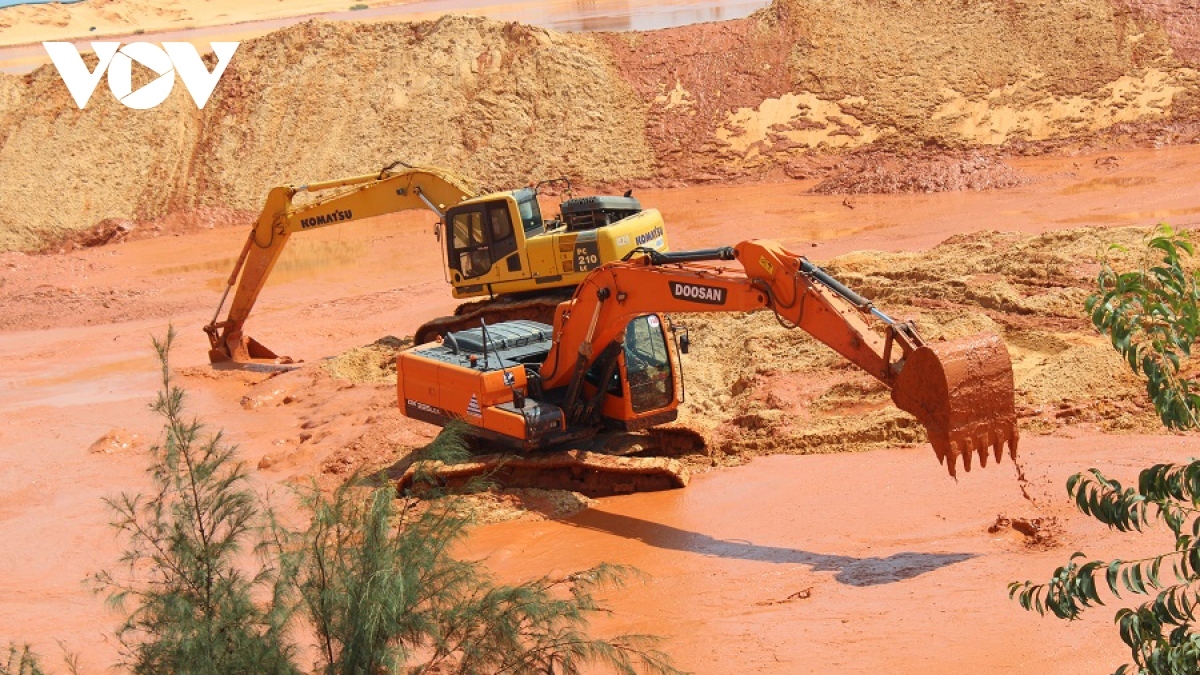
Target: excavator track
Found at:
x=591, y=473
x=676, y=440
x=613, y=463
x=539, y=307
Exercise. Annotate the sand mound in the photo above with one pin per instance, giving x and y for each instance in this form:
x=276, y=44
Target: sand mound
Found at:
x=372, y=364
x=881, y=173
x=506, y=104
x=117, y=440
x=755, y=387
x=502, y=103
x=1012, y=275
x=1081, y=373
x=801, y=76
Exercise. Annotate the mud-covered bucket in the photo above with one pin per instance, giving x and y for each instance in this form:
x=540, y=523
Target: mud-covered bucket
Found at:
x=962, y=392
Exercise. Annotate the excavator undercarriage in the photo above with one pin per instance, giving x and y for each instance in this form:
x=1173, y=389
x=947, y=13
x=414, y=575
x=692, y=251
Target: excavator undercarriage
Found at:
x=611, y=463
x=591, y=473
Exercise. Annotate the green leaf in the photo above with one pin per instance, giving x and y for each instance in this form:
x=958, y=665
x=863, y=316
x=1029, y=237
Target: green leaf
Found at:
x=1139, y=585
x=1114, y=569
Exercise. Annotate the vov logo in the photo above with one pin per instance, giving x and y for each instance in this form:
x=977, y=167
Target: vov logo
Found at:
x=171, y=58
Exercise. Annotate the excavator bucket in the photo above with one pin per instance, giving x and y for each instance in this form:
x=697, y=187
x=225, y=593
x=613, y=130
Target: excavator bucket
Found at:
x=247, y=351
x=962, y=391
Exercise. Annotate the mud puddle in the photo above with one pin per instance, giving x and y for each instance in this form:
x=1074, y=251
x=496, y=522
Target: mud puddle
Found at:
x=355, y=249
x=302, y=260
x=840, y=564
x=70, y=385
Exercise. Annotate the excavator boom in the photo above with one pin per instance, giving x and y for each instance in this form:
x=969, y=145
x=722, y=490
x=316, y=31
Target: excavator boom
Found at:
x=355, y=198
x=961, y=391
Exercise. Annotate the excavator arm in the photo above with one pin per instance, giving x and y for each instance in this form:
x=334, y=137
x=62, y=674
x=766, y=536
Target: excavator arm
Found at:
x=962, y=391
x=352, y=199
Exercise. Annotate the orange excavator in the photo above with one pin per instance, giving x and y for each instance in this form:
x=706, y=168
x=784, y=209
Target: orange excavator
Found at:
x=607, y=374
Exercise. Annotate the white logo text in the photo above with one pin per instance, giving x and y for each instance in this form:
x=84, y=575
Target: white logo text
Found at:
x=171, y=58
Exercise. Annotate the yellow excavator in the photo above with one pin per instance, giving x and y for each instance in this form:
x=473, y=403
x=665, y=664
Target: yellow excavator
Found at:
x=604, y=377
x=495, y=245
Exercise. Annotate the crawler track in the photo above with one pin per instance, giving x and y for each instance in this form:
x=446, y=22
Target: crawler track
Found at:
x=590, y=473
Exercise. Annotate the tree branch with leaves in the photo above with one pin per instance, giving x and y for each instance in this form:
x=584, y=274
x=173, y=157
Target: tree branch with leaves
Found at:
x=1152, y=316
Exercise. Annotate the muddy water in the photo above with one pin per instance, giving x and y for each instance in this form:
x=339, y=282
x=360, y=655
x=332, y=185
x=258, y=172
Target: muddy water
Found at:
x=1144, y=188
x=818, y=564
x=872, y=562
x=1141, y=187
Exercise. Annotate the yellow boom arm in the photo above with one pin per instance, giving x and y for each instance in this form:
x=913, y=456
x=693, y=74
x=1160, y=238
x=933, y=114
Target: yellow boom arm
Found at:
x=364, y=197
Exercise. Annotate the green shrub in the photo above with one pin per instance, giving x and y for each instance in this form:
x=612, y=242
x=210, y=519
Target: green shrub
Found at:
x=21, y=661
x=1152, y=316
x=384, y=595
x=375, y=583
x=193, y=607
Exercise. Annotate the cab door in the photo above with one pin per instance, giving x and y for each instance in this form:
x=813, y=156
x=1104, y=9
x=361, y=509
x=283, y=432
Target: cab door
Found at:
x=649, y=377
x=647, y=392
x=482, y=244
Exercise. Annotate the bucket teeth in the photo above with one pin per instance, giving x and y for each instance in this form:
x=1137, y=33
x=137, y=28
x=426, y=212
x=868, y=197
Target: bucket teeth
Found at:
x=990, y=441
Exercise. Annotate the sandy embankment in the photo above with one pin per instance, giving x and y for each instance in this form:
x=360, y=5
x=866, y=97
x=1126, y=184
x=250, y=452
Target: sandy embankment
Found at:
x=506, y=104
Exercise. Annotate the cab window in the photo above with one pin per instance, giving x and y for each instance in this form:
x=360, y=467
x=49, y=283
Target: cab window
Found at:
x=504, y=240
x=531, y=212
x=648, y=365
x=468, y=245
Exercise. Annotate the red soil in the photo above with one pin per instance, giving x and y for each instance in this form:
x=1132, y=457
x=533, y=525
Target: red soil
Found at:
x=869, y=562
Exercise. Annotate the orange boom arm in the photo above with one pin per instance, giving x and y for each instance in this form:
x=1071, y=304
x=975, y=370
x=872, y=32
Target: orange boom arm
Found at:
x=962, y=391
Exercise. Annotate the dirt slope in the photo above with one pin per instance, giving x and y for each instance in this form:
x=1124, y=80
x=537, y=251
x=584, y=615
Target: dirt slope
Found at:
x=1180, y=19
x=801, y=76
x=499, y=102
x=506, y=103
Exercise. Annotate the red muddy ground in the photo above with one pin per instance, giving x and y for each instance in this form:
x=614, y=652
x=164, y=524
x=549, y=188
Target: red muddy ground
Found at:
x=869, y=562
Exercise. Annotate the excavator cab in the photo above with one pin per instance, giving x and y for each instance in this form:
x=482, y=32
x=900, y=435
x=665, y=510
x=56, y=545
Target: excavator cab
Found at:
x=482, y=241
x=500, y=244
x=643, y=393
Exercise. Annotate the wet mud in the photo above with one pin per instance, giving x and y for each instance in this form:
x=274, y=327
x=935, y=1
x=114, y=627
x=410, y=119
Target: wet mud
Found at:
x=819, y=531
